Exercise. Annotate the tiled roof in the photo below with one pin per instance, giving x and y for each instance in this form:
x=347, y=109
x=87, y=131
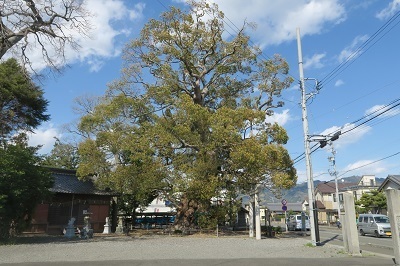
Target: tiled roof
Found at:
x=329, y=187
x=390, y=178
x=320, y=205
x=66, y=181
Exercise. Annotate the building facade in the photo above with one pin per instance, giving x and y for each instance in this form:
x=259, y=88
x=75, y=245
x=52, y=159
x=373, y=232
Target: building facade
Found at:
x=326, y=194
x=71, y=198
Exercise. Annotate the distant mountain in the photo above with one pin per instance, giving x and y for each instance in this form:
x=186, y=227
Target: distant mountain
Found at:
x=300, y=192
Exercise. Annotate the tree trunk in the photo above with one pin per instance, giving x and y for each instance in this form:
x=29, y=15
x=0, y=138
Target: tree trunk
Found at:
x=185, y=215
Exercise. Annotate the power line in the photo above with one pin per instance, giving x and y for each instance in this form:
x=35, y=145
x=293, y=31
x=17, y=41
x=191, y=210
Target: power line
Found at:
x=375, y=116
x=387, y=157
x=386, y=109
x=360, y=50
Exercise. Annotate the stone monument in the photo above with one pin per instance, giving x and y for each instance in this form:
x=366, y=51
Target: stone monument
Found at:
x=87, y=231
x=120, y=227
x=70, y=230
x=107, y=227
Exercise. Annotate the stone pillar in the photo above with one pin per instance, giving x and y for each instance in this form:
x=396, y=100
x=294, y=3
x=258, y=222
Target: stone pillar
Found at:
x=351, y=225
x=251, y=218
x=107, y=226
x=393, y=196
x=344, y=233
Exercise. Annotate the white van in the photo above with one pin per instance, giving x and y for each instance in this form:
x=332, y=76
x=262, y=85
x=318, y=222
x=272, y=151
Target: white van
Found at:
x=375, y=224
x=295, y=223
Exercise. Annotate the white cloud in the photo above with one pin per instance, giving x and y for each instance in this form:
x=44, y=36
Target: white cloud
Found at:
x=389, y=11
x=339, y=83
x=353, y=50
x=314, y=61
x=363, y=167
x=137, y=12
x=280, y=118
x=377, y=109
x=44, y=136
x=348, y=136
x=277, y=20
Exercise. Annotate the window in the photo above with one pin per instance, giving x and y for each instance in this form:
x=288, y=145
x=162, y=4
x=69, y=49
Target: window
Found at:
x=381, y=219
x=334, y=197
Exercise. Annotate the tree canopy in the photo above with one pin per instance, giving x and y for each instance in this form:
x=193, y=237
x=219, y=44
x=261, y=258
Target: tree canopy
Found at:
x=187, y=116
x=23, y=183
x=22, y=104
x=63, y=155
x=373, y=201
x=49, y=25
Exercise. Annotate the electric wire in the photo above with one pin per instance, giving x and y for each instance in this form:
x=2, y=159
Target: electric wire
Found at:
x=385, y=109
x=360, y=50
x=364, y=165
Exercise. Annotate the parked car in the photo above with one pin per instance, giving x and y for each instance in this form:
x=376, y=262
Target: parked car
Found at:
x=295, y=222
x=375, y=224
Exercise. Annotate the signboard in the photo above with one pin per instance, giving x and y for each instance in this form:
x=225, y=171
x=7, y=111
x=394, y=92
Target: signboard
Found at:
x=284, y=202
x=284, y=208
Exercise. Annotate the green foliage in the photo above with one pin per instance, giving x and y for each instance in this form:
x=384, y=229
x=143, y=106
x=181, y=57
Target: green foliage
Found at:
x=187, y=118
x=23, y=184
x=373, y=201
x=63, y=155
x=22, y=106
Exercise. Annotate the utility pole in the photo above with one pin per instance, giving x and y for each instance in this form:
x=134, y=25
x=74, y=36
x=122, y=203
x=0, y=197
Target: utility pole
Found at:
x=332, y=159
x=310, y=181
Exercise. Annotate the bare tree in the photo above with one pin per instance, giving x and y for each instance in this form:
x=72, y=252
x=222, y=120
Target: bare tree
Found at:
x=48, y=24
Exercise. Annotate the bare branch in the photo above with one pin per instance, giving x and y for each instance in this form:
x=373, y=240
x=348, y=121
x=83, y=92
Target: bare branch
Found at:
x=52, y=23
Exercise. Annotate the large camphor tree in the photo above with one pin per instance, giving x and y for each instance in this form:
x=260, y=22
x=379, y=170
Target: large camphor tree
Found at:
x=187, y=117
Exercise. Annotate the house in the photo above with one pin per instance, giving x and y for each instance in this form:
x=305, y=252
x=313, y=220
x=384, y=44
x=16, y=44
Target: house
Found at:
x=72, y=198
x=366, y=184
x=391, y=181
x=326, y=194
x=159, y=213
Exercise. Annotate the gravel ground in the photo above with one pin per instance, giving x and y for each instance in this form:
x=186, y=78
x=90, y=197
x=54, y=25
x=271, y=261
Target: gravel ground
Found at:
x=145, y=247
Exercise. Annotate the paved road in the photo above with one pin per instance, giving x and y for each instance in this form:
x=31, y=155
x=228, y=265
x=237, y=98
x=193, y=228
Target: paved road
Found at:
x=383, y=245
x=222, y=262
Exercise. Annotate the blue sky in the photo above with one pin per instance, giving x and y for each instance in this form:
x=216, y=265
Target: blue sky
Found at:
x=331, y=31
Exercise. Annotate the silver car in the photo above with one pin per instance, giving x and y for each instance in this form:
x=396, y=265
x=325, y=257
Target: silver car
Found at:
x=374, y=224
x=295, y=222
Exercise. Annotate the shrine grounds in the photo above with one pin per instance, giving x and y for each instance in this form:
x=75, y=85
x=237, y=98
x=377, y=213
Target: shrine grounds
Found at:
x=144, y=248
